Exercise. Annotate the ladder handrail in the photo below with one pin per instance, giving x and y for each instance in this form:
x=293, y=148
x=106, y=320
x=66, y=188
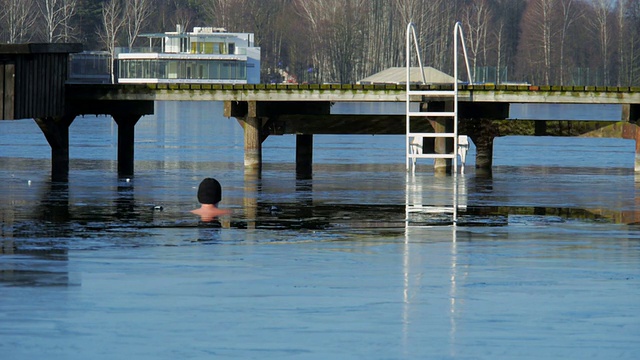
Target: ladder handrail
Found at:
x=411, y=34
x=457, y=29
x=411, y=30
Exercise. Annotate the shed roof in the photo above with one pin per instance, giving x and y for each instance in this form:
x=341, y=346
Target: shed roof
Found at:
x=398, y=75
x=40, y=48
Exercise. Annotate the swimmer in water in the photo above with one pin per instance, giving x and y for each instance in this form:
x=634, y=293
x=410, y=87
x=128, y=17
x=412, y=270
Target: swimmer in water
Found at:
x=209, y=195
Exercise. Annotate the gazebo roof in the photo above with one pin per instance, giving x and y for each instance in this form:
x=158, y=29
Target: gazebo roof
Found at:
x=398, y=75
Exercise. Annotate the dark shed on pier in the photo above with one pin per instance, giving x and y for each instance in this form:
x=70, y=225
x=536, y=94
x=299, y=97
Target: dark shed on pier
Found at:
x=32, y=79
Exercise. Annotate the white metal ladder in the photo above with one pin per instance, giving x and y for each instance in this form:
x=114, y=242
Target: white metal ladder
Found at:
x=414, y=139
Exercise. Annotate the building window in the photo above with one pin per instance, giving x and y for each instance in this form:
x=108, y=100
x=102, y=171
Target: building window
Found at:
x=183, y=69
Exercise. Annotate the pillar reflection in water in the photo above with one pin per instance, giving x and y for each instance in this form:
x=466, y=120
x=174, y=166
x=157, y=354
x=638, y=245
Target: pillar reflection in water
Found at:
x=41, y=244
x=250, y=200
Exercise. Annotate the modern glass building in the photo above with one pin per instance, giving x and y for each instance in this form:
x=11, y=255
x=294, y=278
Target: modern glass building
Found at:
x=205, y=56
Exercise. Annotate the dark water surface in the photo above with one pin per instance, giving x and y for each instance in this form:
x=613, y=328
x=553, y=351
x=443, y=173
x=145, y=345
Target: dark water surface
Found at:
x=545, y=261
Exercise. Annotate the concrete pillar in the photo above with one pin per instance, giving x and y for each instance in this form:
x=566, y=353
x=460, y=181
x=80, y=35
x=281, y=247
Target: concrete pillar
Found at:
x=478, y=120
x=304, y=156
x=247, y=114
x=252, y=144
x=632, y=132
x=482, y=132
x=540, y=127
x=56, y=131
x=630, y=113
x=441, y=145
x=483, y=138
x=250, y=201
x=126, y=139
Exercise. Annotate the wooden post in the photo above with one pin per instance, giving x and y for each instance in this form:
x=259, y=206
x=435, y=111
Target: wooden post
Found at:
x=56, y=131
x=126, y=138
x=7, y=91
x=304, y=156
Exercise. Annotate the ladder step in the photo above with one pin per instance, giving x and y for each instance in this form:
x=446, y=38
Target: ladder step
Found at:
x=432, y=92
x=429, y=209
x=432, y=135
x=431, y=156
x=432, y=113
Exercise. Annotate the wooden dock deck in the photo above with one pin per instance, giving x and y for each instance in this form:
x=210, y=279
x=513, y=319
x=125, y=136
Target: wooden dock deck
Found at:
x=305, y=110
x=354, y=93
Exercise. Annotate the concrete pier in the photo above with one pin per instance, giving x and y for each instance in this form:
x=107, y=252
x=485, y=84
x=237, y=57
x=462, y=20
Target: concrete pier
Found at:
x=304, y=110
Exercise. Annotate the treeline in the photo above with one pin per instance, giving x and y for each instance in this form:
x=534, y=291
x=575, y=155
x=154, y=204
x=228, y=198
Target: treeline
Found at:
x=544, y=42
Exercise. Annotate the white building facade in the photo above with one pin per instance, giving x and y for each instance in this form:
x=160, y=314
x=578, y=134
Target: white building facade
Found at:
x=205, y=56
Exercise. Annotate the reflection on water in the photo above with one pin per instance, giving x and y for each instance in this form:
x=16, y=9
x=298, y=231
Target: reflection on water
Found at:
x=542, y=260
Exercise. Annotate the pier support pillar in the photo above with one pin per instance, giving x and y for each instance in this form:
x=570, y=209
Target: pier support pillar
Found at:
x=304, y=156
x=248, y=115
x=632, y=132
x=126, y=136
x=540, y=128
x=441, y=145
x=631, y=114
x=484, y=153
x=482, y=132
x=56, y=131
x=252, y=144
x=481, y=121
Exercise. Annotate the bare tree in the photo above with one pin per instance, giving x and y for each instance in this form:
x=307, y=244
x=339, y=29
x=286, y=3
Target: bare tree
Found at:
x=632, y=42
x=58, y=16
x=137, y=13
x=535, y=49
x=383, y=31
x=601, y=23
x=625, y=40
x=337, y=36
x=226, y=13
x=506, y=35
x=315, y=13
x=498, y=35
x=476, y=21
x=183, y=15
x=69, y=10
x=17, y=19
x=569, y=14
x=112, y=23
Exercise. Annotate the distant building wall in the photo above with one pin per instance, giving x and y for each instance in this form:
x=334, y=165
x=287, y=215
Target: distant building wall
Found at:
x=206, y=55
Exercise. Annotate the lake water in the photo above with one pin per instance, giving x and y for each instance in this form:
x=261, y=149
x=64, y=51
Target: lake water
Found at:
x=544, y=261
